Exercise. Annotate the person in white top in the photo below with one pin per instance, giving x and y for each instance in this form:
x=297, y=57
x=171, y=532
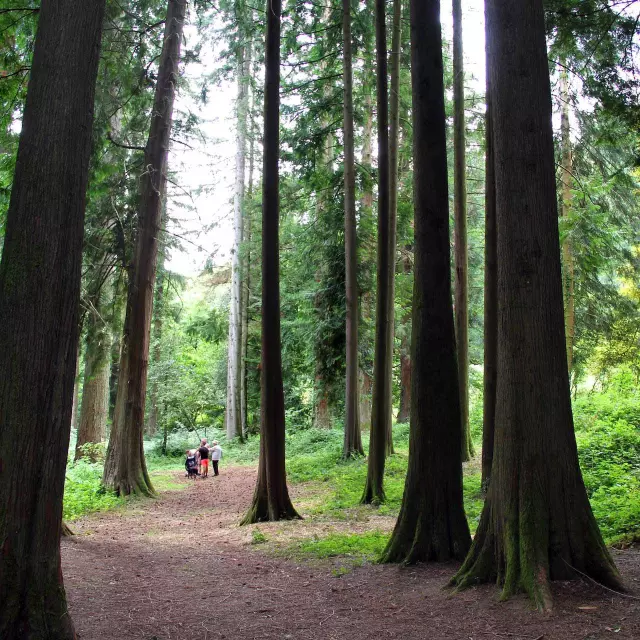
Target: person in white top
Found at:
x=216, y=454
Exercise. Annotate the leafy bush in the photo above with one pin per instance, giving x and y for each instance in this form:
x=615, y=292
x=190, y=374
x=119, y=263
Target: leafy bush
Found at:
x=608, y=438
x=84, y=493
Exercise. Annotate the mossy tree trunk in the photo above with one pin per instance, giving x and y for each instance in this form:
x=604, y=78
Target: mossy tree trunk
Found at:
x=40, y=276
x=352, y=436
x=95, y=389
x=381, y=410
x=490, y=300
x=271, y=498
x=432, y=523
x=461, y=290
x=537, y=524
x=125, y=469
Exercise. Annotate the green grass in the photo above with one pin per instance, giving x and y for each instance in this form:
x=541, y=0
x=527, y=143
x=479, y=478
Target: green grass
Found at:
x=358, y=548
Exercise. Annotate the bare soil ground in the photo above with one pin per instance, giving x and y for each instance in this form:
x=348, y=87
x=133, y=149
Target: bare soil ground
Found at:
x=179, y=568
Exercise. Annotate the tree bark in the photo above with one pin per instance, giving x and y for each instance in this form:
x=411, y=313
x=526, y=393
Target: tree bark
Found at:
x=234, y=369
x=352, y=436
x=95, y=390
x=537, y=524
x=567, y=248
x=381, y=411
x=271, y=498
x=490, y=299
x=125, y=469
x=431, y=524
x=461, y=291
x=40, y=274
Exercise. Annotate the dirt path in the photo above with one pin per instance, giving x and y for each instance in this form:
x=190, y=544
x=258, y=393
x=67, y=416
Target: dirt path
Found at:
x=179, y=568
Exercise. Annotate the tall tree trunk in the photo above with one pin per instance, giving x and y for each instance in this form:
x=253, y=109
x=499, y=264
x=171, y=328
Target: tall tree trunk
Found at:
x=404, y=410
x=367, y=209
x=158, y=311
x=567, y=249
x=490, y=299
x=381, y=412
x=394, y=137
x=116, y=319
x=536, y=524
x=365, y=231
x=40, y=275
x=234, y=369
x=125, y=469
x=271, y=497
x=246, y=280
x=431, y=524
x=460, y=229
x=95, y=390
x=352, y=437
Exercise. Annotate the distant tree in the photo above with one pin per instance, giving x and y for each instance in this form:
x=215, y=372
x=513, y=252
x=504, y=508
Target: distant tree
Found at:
x=352, y=436
x=537, y=524
x=95, y=388
x=490, y=299
x=381, y=396
x=271, y=498
x=39, y=307
x=432, y=523
x=566, y=178
x=125, y=469
x=234, y=374
x=461, y=289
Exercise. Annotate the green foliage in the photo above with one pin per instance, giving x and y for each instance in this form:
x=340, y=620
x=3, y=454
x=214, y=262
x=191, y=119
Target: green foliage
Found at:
x=608, y=437
x=257, y=537
x=84, y=493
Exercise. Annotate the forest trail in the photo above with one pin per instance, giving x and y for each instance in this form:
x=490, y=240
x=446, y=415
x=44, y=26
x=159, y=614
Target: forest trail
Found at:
x=180, y=568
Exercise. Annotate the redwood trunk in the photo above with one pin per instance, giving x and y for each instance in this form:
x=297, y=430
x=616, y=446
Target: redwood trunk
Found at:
x=460, y=229
x=352, y=436
x=125, y=468
x=271, y=497
x=537, y=524
x=40, y=276
x=381, y=410
x=432, y=523
x=490, y=300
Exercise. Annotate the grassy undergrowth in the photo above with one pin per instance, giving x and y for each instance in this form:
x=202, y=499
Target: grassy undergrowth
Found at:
x=84, y=493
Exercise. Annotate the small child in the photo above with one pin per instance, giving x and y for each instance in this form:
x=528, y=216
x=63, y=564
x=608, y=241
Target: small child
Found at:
x=216, y=454
x=191, y=464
